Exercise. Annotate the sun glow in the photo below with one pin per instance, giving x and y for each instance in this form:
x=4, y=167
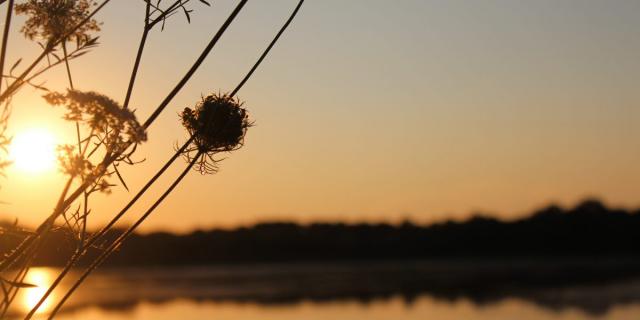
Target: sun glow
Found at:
x=33, y=150
x=41, y=278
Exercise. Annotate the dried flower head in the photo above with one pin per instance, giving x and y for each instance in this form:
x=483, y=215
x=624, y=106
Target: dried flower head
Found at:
x=51, y=20
x=218, y=123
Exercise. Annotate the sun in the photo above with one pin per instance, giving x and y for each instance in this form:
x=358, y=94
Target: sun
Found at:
x=33, y=150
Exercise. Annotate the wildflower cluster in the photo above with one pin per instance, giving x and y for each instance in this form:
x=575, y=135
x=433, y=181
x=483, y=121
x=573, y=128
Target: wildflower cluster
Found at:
x=105, y=117
x=53, y=20
x=113, y=128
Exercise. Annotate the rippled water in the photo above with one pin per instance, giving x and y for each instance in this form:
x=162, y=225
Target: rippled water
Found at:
x=328, y=291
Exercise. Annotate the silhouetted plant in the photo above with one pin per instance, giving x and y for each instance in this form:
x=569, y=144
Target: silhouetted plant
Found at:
x=115, y=244
x=112, y=129
x=28, y=74
x=53, y=20
x=27, y=249
x=218, y=123
x=114, y=125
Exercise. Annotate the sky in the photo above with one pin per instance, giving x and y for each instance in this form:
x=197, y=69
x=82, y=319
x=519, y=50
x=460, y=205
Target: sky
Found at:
x=368, y=110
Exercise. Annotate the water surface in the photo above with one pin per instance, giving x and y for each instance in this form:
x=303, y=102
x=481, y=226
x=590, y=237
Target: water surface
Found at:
x=417, y=290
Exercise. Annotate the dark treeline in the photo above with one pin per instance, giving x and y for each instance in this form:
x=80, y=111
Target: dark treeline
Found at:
x=590, y=229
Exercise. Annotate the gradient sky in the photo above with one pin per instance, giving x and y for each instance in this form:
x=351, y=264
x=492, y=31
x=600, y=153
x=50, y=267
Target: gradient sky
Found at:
x=372, y=110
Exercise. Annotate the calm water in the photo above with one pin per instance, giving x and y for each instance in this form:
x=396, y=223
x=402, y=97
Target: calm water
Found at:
x=336, y=291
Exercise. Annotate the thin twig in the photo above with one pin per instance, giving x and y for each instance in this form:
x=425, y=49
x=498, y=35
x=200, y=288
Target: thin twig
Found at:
x=167, y=12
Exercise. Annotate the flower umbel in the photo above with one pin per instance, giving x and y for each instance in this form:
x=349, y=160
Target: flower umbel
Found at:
x=218, y=123
x=115, y=124
x=113, y=130
x=51, y=20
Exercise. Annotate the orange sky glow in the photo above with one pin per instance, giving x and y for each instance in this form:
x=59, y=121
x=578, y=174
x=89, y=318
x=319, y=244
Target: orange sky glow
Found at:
x=368, y=111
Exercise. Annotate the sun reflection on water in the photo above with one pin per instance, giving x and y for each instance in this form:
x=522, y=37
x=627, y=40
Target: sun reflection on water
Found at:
x=29, y=297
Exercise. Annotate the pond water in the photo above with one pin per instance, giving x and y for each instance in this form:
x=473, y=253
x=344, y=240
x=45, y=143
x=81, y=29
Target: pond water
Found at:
x=330, y=291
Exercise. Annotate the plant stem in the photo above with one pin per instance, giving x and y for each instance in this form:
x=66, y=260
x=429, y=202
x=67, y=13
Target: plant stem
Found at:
x=109, y=160
x=264, y=54
x=14, y=86
x=66, y=63
x=136, y=64
x=105, y=229
x=163, y=14
x=74, y=259
x=120, y=239
x=22, y=273
x=196, y=64
x=5, y=39
x=232, y=94
x=41, y=71
x=159, y=109
x=20, y=250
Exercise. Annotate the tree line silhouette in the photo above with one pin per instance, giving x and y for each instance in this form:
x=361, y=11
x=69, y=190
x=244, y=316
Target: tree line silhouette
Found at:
x=587, y=230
